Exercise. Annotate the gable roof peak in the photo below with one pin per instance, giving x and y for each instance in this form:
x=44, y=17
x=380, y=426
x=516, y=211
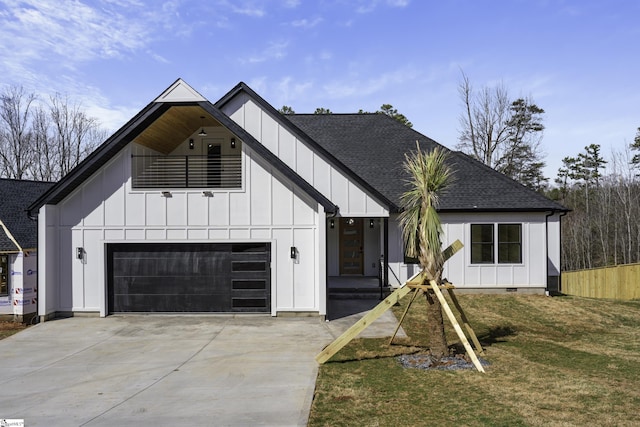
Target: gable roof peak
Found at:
x=180, y=91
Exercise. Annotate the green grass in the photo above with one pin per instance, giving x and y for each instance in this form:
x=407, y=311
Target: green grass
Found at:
x=553, y=361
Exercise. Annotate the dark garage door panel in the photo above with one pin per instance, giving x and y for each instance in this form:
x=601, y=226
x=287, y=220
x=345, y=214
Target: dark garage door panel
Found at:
x=189, y=277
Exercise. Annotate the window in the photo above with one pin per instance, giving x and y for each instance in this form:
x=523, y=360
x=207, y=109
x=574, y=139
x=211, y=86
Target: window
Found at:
x=482, y=244
x=4, y=275
x=509, y=243
x=484, y=247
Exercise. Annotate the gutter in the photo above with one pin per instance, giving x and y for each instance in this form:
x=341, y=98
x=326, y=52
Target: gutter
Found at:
x=546, y=246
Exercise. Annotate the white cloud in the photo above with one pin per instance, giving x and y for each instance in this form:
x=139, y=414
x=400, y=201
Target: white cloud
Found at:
x=288, y=90
x=358, y=86
x=398, y=3
x=66, y=33
x=305, y=23
x=368, y=6
x=248, y=9
x=273, y=51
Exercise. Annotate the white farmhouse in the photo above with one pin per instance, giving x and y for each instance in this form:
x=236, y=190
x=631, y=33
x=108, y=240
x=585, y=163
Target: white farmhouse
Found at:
x=233, y=207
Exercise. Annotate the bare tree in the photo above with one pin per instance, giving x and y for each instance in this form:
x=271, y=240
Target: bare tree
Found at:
x=43, y=141
x=15, y=135
x=503, y=134
x=74, y=134
x=44, y=166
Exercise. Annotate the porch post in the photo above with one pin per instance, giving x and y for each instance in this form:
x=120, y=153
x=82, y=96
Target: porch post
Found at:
x=385, y=272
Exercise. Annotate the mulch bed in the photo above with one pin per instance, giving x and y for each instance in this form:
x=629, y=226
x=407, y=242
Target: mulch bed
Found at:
x=426, y=361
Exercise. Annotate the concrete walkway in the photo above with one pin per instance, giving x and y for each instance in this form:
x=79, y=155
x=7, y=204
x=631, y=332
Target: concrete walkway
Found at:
x=165, y=370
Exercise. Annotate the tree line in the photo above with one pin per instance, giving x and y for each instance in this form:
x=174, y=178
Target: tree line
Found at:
x=604, y=195
x=43, y=140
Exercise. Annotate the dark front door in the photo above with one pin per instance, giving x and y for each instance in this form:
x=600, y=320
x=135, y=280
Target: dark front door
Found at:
x=189, y=277
x=351, y=255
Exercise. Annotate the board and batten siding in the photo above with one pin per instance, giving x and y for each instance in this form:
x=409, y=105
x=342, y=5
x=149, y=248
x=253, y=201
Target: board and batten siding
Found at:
x=311, y=166
x=105, y=209
x=459, y=270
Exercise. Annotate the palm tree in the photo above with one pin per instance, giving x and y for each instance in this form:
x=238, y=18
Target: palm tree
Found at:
x=429, y=175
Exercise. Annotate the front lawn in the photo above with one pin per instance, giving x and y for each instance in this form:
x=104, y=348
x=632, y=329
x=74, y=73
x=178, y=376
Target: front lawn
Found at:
x=553, y=361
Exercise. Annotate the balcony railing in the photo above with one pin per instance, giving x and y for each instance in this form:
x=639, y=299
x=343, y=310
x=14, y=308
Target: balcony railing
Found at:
x=186, y=171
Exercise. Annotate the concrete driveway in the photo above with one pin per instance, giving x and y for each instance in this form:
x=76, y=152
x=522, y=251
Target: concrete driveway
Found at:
x=166, y=370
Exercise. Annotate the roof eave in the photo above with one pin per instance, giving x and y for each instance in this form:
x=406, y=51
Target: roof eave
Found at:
x=502, y=210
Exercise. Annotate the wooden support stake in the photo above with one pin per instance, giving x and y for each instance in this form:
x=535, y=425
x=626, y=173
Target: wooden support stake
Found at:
x=456, y=325
x=379, y=310
x=413, y=297
x=362, y=324
x=466, y=323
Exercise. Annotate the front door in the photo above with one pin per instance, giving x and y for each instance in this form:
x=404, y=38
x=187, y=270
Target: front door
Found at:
x=351, y=257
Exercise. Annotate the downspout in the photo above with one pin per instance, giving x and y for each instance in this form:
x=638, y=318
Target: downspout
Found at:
x=546, y=246
x=560, y=264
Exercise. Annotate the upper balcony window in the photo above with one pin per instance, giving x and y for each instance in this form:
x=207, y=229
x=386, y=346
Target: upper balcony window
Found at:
x=212, y=170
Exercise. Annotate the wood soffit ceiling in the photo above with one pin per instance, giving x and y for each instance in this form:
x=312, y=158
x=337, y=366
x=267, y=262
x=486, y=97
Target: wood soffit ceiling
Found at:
x=175, y=126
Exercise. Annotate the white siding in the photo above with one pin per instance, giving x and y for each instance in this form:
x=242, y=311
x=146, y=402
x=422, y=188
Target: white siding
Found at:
x=313, y=168
x=531, y=273
x=268, y=208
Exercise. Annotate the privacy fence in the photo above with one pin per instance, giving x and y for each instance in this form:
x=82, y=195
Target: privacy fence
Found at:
x=621, y=282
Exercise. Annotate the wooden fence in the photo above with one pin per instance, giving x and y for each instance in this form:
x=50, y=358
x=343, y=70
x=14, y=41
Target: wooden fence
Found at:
x=621, y=282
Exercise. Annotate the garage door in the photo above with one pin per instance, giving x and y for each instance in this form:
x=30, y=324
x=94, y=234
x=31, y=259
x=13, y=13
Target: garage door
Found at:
x=189, y=277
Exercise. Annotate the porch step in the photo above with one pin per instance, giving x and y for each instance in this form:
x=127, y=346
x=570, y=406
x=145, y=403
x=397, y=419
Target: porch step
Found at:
x=358, y=293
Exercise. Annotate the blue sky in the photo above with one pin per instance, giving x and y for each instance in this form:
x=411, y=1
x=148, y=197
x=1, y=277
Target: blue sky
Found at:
x=578, y=59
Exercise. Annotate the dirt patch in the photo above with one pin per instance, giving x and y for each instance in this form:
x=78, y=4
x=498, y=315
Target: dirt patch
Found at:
x=8, y=328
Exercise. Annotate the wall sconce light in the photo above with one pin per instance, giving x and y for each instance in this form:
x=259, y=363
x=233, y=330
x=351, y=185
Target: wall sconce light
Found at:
x=191, y=144
x=294, y=252
x=202, y=132
x=167, y=194
x=351, y=221
x=332, y=224
x=207, y=193
x=233, y=143
x=80, y=253
x=371, y=223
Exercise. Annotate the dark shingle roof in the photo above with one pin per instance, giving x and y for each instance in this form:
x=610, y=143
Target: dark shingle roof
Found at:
x=15, y=197
x=373, y=146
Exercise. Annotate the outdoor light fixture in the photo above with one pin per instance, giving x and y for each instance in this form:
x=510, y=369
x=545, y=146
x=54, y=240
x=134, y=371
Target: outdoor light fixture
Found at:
x=80, y=253
x=191, y=144
x=351, y=221
x=332, y=224
x=166, y=194
x=371, y=223
x=294, y=252
x=202, y=132
x=233, y=143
